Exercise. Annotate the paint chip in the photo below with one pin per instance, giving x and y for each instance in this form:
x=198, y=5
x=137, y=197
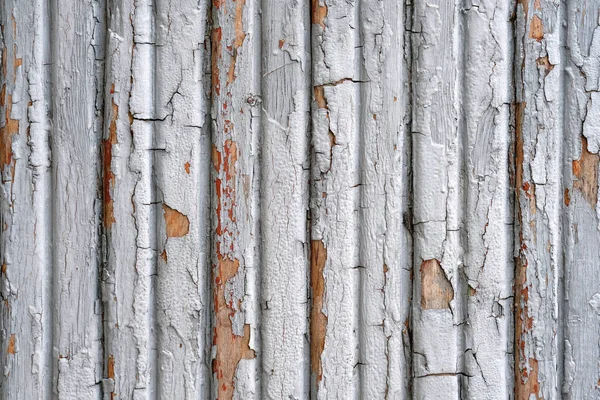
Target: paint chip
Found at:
x=177, y=224
x=319, y=12
x=586, y=171
x=318, y=320
x=436, y=289
x=11, y=344
x=536, y=30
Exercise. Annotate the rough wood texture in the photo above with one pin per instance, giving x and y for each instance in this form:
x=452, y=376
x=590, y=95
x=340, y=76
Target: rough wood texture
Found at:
x=181, y=148
x=235, y=212
x=438, y=207
x=336, y=120
x=26, y=236
x=77, y=121
x=581, y=228
x=284, y=199
x=289, y=199
x=538, y=199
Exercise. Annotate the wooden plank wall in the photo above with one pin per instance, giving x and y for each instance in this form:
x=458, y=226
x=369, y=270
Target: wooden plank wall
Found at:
x=284, y=199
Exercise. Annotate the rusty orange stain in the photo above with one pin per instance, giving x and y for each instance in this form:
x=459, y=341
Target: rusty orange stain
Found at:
x=320, y=97
x=240, y=35
x=231, y=156
x=231, y=71
x=163, y=255
x=318, y=12
x=108, y=176
x=177, y=224
x=586, y=171
x=231, y=348
x=318, y=320
x=281, y=42
x=186, y=166
x=219, y=190
x=10, y=128
x=225, y=192
x=567, y=198
x=436, y=289
x=215, y=56
x=111, y=367
x=216, y=158
x=530, y=194
x=11, y=344
x=111, y=372
x=526, y=383
x=536, y=29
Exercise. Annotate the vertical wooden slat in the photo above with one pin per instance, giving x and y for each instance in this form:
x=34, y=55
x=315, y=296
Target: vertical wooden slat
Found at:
x=236, y=111
x=25, y=212
x=488, y=260
x=438, y=200
x=78, y=44
x=385, y=240
x=539, y=195
x=181, y=152
x=284, y=199
x=129, y=219
x=335, y=269
x=582, y=241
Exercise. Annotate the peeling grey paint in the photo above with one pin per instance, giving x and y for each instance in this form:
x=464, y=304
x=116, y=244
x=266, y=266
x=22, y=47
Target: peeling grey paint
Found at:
x=299, y=199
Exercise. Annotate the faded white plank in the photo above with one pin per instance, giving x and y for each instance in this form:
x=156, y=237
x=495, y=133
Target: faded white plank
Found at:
x=286, y=88
x=25, y=321
x=488, y=260
x=438, y=200
x=335, y=269
x=129, y=219
x=385, y=240
x=181, y=155
x=539, y=195
x=235, y=213
x=77, y=76
x=582, y=241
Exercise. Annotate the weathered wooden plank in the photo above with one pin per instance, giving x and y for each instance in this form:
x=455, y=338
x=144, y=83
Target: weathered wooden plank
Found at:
x=77, y=76
x=235, y=212
x=283, y=204
x=335, y=268
x=25, y=315
x=129, y=218
x=385, y=241
x=539, y=195
x=582, y=237
x=187, y=237
x=487, y=245
x=181, y=158
x=438, y=200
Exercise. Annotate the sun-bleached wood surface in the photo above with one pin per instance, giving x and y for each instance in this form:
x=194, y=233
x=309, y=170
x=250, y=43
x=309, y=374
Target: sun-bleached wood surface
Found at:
x=284, y=199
